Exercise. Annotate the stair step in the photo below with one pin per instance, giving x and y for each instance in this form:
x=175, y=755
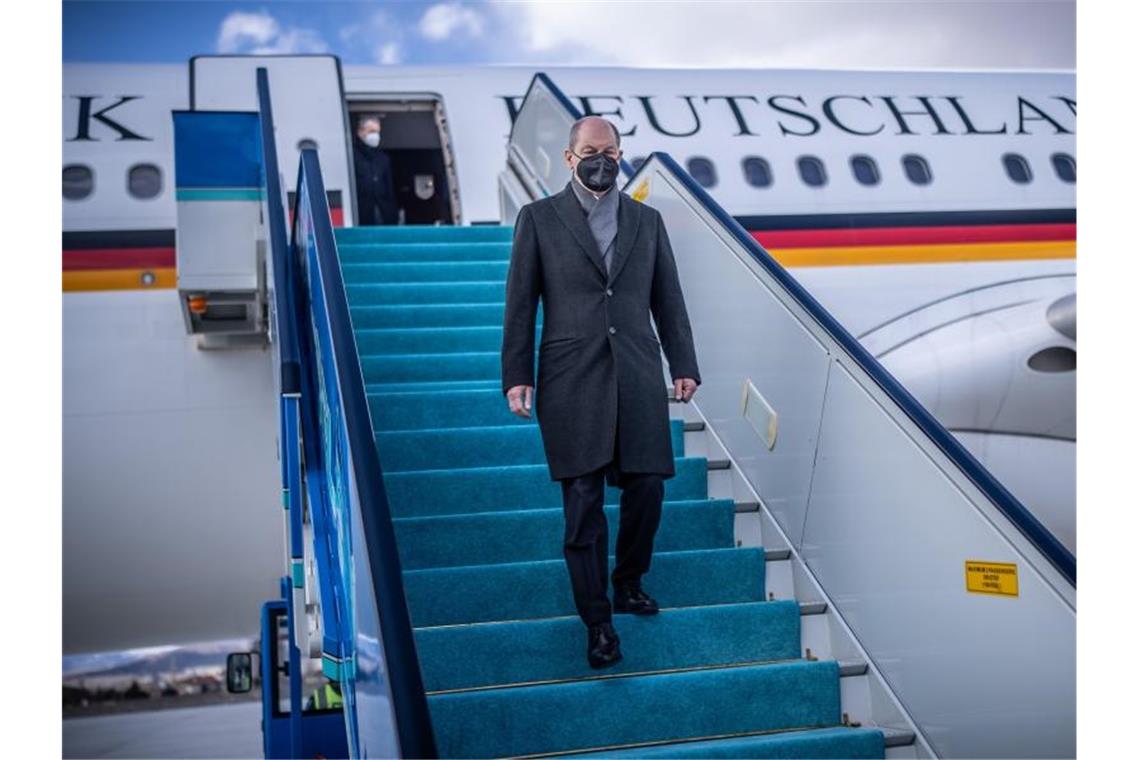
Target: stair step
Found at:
x=487, y=489
x=403, y=368
x=609, y=713
x=898, y=737
x=433, y=315
x=435, y=409
x=448, y=386
x=389, y=234
x=407, y=450
x=372, y=253
x=821, y=744
x=483, y=538
x=425, y=293
x=538, y=589
x=813, y=608
x=428, y=340
x=553, y=649
x=850, y=668
x=424, y=271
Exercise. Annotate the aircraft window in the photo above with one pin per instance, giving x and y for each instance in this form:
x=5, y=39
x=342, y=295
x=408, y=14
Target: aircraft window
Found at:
x=306, y=143
x=702, y=170
x=1065, y=166
x=144, y=181
x=865, y=170
x=636, y=162
x=812, y=171
x=917, y=170
x=1054, y=359
x=757, y=171
x=78, y=182
x=1017, y=168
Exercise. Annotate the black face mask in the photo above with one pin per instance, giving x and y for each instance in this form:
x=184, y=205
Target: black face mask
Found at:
x=597, y=172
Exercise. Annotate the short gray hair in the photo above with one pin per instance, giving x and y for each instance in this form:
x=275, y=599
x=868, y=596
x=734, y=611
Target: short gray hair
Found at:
x=365, y=117
x=577, y=126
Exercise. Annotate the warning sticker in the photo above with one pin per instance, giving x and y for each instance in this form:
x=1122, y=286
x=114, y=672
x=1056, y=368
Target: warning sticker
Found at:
x=991, y=577
x=641, y=192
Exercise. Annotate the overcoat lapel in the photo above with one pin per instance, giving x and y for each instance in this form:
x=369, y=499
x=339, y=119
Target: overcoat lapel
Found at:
x=629, y=217
x=570, y=212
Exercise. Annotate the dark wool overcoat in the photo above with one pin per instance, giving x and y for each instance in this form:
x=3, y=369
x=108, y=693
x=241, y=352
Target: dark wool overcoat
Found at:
x=601, y=389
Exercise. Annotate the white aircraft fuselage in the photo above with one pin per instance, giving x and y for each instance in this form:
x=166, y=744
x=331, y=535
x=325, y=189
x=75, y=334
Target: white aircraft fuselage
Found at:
x=933, y=212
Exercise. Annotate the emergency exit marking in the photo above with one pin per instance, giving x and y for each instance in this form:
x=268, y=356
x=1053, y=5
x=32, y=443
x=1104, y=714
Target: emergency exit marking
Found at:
x=998, y=578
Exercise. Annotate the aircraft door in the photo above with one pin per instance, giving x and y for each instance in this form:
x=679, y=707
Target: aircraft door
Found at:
x=308, y=111
x=417, y=142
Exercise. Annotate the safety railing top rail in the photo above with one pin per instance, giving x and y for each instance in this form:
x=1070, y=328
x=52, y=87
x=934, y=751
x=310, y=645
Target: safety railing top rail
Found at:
x=1029, y=526
x=284, y=319
x=357, y=473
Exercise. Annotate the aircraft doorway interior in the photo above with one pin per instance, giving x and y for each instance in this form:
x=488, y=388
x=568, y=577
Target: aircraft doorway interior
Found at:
x=413, y=133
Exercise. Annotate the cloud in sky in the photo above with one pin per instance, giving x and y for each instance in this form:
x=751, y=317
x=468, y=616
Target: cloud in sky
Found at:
x=442, y=20
x=934, y=33
x=673, y=33
x=260, y=34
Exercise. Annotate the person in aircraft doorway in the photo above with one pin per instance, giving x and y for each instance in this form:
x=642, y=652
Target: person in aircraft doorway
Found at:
x=375, y=188
x=601, y=262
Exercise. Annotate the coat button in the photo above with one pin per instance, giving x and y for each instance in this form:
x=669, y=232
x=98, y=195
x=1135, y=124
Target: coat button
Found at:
x=613, y=330
x=609, y=292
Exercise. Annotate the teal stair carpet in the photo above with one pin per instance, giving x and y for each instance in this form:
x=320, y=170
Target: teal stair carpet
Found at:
x=718, y=673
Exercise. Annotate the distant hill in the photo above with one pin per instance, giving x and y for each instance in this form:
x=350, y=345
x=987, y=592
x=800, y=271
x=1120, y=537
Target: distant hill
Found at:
x=145, y=662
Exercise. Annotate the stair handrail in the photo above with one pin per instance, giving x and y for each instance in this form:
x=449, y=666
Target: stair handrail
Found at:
x=282, y=322
x=1009, y=505
x=352, y=462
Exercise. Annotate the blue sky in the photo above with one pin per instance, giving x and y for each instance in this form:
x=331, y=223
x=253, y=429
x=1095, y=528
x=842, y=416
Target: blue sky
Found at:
x=840, y=33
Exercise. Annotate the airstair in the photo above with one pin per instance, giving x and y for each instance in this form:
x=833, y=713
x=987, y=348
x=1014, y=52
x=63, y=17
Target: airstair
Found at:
x=719, y=672
x=814, y=556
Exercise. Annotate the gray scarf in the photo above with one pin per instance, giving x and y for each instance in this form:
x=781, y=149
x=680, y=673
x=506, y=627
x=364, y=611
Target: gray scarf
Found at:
x=601, y=216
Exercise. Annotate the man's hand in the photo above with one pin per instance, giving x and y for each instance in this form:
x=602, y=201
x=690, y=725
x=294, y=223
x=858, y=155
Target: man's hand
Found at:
x=684, y=388
x=519, y=399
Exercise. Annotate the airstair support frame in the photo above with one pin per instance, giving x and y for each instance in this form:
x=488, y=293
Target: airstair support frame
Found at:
x=324, y=412
x=1048, y=544
x=969, y=495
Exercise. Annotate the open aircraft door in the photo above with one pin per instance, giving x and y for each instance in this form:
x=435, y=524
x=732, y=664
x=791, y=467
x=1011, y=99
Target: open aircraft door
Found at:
x=308, y=107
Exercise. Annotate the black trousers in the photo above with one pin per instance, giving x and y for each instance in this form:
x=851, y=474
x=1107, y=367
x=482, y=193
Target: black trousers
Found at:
x=586, y=542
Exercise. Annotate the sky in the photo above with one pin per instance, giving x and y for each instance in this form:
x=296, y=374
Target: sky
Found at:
x=681, y=33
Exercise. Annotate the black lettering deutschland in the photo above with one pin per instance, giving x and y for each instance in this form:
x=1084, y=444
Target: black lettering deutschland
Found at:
x=969, y=125
x=806, y=117
x=741, y=124
x=588, y=109
x=649, y=112
x=1023, y=115
x=927, y=110
x=83, y=131
x=829, y=112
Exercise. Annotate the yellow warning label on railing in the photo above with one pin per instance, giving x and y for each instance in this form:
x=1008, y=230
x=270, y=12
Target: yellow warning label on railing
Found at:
x=991, y=577
x=641, y=192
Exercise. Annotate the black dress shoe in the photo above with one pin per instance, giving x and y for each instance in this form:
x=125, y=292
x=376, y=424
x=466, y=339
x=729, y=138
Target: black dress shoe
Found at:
x=633, y=599
x=604, y=647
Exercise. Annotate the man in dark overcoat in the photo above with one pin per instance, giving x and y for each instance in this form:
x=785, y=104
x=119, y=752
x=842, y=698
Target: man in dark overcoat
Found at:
x=602, y=264
x=376, y=201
